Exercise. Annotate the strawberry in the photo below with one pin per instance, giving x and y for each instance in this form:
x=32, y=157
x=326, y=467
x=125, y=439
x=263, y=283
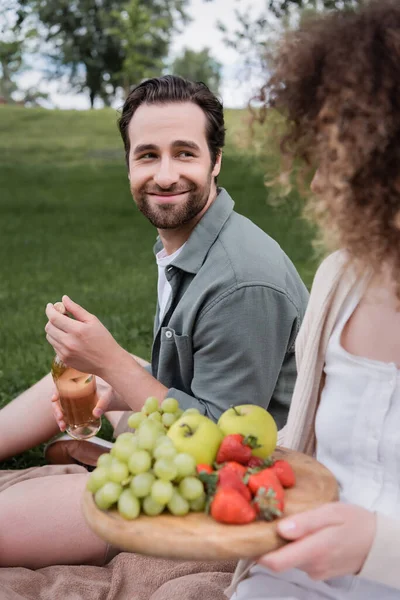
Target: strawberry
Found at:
x=265, y=479
x=228, y=478
x=229, y=506
x=204, y=469
x=269, y=503
x=285, y=473
x=255, y=461
x=235, y=447
x=236, y=467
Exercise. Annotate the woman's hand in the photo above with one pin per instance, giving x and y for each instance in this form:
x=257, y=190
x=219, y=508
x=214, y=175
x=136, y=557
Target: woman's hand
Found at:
x=82, y=343
x=329, y=541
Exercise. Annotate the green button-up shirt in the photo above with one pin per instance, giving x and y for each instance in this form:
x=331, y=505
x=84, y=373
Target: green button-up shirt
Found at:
x=227, y=335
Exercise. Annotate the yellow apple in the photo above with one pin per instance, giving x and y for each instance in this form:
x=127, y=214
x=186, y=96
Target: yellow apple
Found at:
x=250, y=419
x=197, y=435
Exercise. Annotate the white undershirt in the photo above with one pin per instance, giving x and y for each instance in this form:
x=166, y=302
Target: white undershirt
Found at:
x=164, y=289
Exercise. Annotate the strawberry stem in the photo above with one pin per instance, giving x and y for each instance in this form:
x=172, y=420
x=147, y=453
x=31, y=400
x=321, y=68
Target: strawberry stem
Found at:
x=251, y=441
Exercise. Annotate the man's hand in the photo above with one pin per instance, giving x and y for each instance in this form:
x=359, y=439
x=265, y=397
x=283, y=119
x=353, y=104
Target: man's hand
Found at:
x=82, y=343
x=104, y=403
x=329, y=541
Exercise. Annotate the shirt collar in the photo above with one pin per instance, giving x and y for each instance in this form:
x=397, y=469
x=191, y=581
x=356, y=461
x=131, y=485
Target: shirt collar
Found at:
x=203, y=235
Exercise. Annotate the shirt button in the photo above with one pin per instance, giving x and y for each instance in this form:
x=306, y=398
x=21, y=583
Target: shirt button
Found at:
x=168, y=334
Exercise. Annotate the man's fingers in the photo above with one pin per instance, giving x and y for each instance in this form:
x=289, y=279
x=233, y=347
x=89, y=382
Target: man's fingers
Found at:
x=102, y=404
x=61, y=322
x=297, y=526
x=76, y=310
x=57, y=412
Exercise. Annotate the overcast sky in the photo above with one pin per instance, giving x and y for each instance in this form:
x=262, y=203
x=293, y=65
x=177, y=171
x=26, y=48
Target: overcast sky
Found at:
x=201, y=32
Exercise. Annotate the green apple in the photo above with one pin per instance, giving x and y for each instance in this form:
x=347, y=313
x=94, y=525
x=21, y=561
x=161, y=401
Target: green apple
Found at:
x=250, y=419
x=197, y=435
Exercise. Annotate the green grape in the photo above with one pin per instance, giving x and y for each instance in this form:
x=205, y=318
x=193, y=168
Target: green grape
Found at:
x=168, y=419
x=169, y=405
x=155, y=416
x=104, y=460
x=191, y=411
x=151, y=405
x=164, y=439
x=199, y=504
x=143, y=411
x=151, y=507
x=179, y=413
x=108, y=495
x=98, y=478
x=139, y=462
x=164, y=451
x=127, y=435
x=191, y=488
x=177, y=505
x=147, y=435
x=165, y=469
x=124, y=448
x=128, y=505
x=135, y=419
x=186, y=464
x=161, y=491
x=141, y=484
x=118, y=471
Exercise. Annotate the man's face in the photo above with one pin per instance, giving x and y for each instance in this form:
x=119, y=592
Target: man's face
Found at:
x=170, y=171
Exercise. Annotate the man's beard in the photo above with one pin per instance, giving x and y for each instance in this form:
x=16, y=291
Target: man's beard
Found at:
x=171, y=216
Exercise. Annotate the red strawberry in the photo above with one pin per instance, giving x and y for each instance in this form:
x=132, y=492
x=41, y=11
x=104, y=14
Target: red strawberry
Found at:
x=285, y=473
x=204, y=469
x=235, y=447
x=236, y=467
x=228, y=478
x=283, y=470
x=255, y=461
x=270, y=503
x=265, y=479
x=229, y=506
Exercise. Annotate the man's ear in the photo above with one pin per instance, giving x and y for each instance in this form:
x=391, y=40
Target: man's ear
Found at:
x=217, y=167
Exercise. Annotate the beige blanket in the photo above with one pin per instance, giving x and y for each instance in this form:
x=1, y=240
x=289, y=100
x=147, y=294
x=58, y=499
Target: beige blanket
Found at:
x=127, y=576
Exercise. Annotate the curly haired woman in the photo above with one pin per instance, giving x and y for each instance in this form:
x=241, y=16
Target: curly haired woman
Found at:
x=336, y=81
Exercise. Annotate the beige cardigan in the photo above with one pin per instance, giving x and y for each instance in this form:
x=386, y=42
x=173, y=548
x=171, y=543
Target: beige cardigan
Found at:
x=332, y=284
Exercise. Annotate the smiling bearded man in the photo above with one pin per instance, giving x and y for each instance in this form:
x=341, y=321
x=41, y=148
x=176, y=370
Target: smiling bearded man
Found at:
x=229, y=307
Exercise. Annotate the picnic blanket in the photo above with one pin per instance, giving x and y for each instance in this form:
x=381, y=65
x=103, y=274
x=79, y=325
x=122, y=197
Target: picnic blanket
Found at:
x=127, y=576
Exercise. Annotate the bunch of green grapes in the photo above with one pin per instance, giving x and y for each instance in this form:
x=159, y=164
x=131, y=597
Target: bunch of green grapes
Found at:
x=144, y=472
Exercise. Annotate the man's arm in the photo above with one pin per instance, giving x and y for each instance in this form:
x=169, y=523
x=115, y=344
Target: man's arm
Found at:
x=240, y=345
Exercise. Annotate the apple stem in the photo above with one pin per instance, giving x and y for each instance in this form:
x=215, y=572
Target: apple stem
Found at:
x=233, y=407
x=189, y=431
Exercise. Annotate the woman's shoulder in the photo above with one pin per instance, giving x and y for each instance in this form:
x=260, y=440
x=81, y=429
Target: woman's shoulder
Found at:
x=333, y=265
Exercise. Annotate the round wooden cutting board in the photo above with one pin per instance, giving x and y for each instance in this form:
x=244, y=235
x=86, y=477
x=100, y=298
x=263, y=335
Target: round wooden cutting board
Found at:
x=197, y=536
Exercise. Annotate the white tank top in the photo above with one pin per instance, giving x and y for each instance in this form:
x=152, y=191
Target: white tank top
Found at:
x=357, y=424
x=357, y=430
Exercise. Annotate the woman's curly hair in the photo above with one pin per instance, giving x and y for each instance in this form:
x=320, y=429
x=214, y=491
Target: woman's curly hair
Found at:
x=336, y=81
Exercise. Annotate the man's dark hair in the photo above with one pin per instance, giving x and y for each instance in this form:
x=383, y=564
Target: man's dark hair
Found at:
x=170, y=88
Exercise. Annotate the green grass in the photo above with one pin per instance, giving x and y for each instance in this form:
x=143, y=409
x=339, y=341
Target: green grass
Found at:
x=69, y=225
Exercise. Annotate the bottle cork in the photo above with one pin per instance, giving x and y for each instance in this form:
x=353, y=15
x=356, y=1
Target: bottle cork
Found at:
x=60, y=307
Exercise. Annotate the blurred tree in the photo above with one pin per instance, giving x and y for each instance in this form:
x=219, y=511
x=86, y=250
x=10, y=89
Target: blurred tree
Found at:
x=101, y=44
x=199, y=66
x=10, y=65
x=282, y=7
x=255, y=36
x=145, y=30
